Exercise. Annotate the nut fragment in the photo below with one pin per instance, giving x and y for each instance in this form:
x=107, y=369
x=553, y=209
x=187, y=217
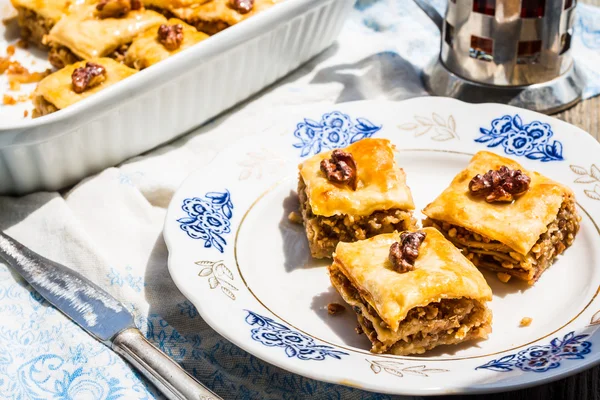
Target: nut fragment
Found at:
x=341, y=168
x=87, y=77
x=171, y=36
x=404, y=253
x=526, y=321
x=295, y=217
x=335, y=308
x=503, y=184
x=116, y=8
x=242, y=6
x=503, y=277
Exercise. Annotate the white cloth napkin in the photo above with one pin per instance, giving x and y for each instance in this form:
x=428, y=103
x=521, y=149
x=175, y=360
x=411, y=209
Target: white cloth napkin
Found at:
x=109, y=228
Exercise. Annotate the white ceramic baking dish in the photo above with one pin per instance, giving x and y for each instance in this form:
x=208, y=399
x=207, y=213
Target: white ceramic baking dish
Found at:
x=166, y=100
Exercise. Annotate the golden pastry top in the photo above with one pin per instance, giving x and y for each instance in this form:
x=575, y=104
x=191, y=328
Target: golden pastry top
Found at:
x=146, y=49
x=211, y=10
x=89, y=36
x=49, y=9
x=56, y=88
x=518, y=224
x=441, y=272
x=381, y=183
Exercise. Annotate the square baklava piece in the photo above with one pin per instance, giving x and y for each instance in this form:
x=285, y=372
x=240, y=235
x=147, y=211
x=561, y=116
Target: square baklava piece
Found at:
x=159, y=43
x=98, y=30
x=412, y=291
x=76, y=82
x=37, y=17
x=505, y=218
x=352, y=194
x=211, y=16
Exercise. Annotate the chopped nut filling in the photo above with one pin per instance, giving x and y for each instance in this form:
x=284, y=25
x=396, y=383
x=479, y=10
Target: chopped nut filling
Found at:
x=501, y=185
x=404, y=253
x=242, y=6
x=116, y=8
x=171, y=36
x=340, y=168
x=498, y=257
x=448, y=321
x=324, y=233
x=335, y=308
x=84, y=78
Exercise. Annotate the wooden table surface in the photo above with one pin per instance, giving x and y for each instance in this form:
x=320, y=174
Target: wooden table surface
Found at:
x=586, y=385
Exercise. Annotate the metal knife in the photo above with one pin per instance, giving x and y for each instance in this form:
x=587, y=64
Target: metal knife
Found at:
x=103, y=317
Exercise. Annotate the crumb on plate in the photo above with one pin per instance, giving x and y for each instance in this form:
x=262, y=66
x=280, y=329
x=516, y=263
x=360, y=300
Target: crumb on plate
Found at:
x=8, y=100
x=525, y=321
x=14, y=85
x=359, y=330
x=504, y=277
x=22, y=44
x=335, y=308
x=25, y=113
x=11, y=100
x=10, y=50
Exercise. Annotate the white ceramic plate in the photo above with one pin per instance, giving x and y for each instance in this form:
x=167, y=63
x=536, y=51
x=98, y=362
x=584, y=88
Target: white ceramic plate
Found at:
x=234, y=254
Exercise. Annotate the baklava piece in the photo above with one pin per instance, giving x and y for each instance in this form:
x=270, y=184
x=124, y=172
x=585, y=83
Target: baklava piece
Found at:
x=159, y=43
x=211, y=16
x=440, y=300
x=353, y=194
x=37, y=17
x=104, y=29
x=76, y=82
x=505, y=218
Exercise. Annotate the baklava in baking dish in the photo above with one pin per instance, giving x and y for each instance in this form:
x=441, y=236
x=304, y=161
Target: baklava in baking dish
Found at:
x=412, y=291
x=159, y=43
x=211, y=16
x=352, y=194
x=505, y=218
x=98, y=31
x=37, y=17
x=76, y=82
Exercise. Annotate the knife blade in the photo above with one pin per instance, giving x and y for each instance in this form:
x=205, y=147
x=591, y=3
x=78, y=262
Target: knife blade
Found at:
x=103, y=317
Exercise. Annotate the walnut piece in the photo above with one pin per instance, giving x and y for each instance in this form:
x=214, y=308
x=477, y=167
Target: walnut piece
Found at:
x=404, y=253
x=116, y=8
x=341, y=168
x=242, y=6
x=499, y=185
x=87, y=77
x=335, y=308
x=171, y=36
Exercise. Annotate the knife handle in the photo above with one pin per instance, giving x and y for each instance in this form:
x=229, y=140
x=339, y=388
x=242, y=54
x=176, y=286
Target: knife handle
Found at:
x=158, y=368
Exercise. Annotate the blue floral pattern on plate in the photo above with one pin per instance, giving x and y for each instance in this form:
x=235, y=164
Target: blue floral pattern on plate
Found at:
x=518, y=139
x=296, y=344
x=334, y=131
x=543, y=358
x=208, y=218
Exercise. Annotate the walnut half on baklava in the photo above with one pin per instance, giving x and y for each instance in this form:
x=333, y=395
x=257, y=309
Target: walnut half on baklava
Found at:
x=441, y=300
x=517, y=235
x=76, y=82
x=159, y=43
x=353, y=194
